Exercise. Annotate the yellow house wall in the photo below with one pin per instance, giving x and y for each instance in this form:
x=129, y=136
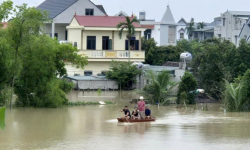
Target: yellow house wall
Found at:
x=95, y=67
x=74, y=35
x=98, y=34
x=119, y=44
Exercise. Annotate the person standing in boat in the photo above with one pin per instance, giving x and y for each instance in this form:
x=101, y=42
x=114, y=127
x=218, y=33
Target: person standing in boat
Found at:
x=147, y=113
x=141, y=106
x=126, y=112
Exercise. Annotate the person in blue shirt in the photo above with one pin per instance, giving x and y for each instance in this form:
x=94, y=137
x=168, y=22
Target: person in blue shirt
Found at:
x=147, y=112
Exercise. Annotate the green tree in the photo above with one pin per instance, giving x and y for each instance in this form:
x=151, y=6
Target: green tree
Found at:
x=201, y=25
x=159, y=87
x=213, y=65
x=123, y=73
x=190, y=29
x=5, y=10
x=188, y=84
x=128, y=25
x=37, y=60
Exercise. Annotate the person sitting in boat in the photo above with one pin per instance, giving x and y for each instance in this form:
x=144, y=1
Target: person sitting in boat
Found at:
x=135, y=113
x=147, y=113
x=126, y=112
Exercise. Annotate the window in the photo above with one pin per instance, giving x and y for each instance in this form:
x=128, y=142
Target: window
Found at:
x=91, y=42
x=88, y=73
x=66, y=35
x=75, y=44
x=224, y=20
x=236, y=37
x=89, y=12
x=182, y=35
x=219, y=35
x=134, y=44
x=105, y=43
x=104, y=73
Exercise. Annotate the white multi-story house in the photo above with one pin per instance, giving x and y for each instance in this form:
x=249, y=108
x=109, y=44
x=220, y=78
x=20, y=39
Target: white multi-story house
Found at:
x=231, y=25
x=166, y=31
x=62, y=11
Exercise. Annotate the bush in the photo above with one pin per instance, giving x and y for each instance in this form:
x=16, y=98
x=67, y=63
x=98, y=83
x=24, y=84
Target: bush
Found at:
x=188, y=84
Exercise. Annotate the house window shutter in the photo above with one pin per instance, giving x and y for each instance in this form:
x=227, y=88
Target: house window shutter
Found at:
x=110, y=44
x=126, y=45
x=137, y=45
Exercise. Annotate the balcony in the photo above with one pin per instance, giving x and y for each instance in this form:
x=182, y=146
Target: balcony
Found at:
x=109, y=55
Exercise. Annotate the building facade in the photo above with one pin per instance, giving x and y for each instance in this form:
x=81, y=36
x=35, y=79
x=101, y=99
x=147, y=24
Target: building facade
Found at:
x=165, y=32
x=97, y=38
x=61, y=12
x=231, y=25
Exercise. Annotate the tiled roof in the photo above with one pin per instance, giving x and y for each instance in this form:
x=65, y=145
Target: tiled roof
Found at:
x=101, y=8
x=148, y=26
x=101, y=21
x=55, y=7
x=240, y=13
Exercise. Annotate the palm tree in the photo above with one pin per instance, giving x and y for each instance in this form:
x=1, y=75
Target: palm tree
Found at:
x=201, y=25
x=190, y=28
x=159, y=88
x=235, y=96
x=128, y=25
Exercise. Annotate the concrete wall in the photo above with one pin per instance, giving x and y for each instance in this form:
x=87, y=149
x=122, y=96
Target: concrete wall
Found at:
x=156, y=34
x=163, y=35
x=178, y=28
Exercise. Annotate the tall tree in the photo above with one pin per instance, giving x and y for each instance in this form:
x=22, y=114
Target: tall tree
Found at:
x=128, y=24
x=201, y=25
x=190, y=29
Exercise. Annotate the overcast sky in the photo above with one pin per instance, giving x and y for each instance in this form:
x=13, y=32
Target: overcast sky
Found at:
x=200, y=10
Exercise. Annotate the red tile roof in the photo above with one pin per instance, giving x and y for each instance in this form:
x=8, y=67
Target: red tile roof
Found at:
x=101, y=21
x=4, y=25
x=148, y=26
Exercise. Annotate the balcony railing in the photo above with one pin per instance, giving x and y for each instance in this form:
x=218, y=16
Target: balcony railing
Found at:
x=112, y=54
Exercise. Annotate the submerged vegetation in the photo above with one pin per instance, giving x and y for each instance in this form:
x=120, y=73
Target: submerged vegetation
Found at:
x=159, y=87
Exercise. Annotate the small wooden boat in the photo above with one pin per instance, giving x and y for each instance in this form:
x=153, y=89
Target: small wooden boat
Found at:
x=135, y=120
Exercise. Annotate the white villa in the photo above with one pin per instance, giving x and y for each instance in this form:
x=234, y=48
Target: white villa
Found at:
x=231, y=26
x=245, y=31
x=62, y=11
x=166, y=31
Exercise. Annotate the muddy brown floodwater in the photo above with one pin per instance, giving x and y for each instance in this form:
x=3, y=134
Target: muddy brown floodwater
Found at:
x=96, y=127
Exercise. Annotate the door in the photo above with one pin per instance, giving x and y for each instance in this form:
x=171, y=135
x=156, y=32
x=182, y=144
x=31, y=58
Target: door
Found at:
x=105, y=43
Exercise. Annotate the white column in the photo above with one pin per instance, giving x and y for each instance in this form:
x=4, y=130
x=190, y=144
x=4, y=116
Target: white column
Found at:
x=53, y=30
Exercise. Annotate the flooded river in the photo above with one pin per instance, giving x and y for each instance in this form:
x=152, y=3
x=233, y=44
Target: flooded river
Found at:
x=96, y=127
